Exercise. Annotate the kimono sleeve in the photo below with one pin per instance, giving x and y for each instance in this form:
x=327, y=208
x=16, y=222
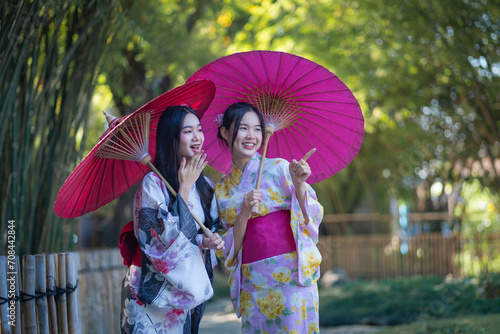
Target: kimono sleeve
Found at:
x=306, y=235
x=173, y=271
x=314, y=210
x=230, y=259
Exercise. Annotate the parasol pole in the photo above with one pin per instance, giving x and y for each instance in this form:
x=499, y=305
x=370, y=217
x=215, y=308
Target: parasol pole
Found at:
x=129, y=149
x=307, y=156
x=147, y=161
x=269, y=130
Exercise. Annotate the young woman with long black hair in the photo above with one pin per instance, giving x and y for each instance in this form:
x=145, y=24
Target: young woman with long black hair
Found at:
x=169, y=278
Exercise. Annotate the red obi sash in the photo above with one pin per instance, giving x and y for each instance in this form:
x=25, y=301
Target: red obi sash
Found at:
x=129, y=246
x=268, y=236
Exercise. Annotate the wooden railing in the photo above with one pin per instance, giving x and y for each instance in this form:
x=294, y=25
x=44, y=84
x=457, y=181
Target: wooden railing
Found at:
x=80, y=292
x=382, y=256
x=62, y=293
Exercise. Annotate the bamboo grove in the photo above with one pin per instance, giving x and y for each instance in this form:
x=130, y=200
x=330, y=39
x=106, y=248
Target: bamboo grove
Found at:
x=50, y=53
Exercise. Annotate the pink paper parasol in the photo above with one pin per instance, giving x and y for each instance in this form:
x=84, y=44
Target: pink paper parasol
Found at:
x=308, y=106
x=104, y=174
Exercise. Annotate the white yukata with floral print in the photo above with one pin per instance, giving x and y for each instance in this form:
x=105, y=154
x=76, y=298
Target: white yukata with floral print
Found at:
x=277, y=294
x=173, y=279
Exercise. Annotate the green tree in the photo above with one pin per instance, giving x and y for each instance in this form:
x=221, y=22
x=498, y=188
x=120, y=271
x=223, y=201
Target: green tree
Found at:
x=426, y=74
x=49, y=57
x=429, y=73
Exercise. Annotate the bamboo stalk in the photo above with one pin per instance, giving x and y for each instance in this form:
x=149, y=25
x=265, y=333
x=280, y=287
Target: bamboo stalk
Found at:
x=50, y=263
x=4, y=291
x=48, y=64
x=73, y=316
x=41, y=303
x=18, y=328
x=62, y=309
x=28, y=306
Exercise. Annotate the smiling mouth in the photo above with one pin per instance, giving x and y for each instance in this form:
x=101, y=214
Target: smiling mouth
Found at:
x=195, y=147
x=249, y=146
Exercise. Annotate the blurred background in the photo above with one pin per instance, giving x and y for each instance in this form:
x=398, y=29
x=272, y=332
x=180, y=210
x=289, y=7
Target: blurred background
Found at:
x=421, y=197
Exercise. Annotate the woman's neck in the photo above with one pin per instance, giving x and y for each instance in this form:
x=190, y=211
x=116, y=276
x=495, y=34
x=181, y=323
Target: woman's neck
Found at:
x=241, y=163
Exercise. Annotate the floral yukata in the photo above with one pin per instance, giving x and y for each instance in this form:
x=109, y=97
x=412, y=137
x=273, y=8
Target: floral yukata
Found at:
x=166, y=293
x=277, y=294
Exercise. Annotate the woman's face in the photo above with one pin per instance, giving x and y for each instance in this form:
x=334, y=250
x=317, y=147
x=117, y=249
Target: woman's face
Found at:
x=248, y=139
x=192, y=137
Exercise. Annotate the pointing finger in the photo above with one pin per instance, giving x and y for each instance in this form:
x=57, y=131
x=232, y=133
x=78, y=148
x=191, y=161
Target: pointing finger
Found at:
x=308, y=154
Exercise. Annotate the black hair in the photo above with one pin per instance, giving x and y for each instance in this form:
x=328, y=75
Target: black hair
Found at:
x=168, y=160
x=233, y=115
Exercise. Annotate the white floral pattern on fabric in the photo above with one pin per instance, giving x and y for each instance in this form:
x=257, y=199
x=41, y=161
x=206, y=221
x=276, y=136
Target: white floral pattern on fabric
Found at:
x=173, y=280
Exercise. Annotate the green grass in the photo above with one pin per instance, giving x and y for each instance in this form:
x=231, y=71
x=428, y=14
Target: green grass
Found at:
x=488, y=324
x=404, y=300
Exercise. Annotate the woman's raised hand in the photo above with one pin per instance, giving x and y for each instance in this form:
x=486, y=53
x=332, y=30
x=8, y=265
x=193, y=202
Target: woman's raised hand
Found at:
x=300, y=170
x=189, y=171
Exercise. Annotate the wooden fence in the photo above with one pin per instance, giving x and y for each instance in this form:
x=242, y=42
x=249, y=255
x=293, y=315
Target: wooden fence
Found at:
x=385, y=256
x=80, y=292
x=39, y=296
x=62, y=293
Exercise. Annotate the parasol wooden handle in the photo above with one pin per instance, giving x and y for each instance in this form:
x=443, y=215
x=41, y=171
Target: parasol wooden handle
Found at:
x=269, y=131
x=147, y=160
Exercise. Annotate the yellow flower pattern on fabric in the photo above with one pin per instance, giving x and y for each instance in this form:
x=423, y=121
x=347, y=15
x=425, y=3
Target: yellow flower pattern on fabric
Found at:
x=245, y=272
x=221, y=190
x=313, y=328
x=263, y=209
x=246, y=304
x=230, y=215
x=219, y=253
x=275, y=295
x=271, y=305
x=282, y=275
x=276, y=196
x=312, y=264
x=303, y=311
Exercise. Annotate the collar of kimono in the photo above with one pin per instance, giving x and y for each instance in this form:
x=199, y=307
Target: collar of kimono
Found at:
x=237, y=175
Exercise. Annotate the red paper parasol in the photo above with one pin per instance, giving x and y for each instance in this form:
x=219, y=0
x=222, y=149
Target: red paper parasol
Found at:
x=97, y=180
x=308, y=106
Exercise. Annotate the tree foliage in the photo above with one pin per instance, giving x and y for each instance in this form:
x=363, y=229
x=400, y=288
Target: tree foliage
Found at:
x=49, y=56
x=426, y=74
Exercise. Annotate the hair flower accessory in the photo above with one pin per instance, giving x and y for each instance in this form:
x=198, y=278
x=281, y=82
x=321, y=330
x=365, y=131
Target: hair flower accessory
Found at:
x=218, y=119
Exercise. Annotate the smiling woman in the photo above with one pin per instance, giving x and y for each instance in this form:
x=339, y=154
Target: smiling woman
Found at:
x=244, y=137
x=192, y=137
x=272, y=259
x=156, y=293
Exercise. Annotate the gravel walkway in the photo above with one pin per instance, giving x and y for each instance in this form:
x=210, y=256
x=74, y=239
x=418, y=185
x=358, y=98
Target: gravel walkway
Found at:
x=219, y=318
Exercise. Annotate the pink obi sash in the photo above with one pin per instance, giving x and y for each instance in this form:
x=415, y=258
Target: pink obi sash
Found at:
x=268, y=236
